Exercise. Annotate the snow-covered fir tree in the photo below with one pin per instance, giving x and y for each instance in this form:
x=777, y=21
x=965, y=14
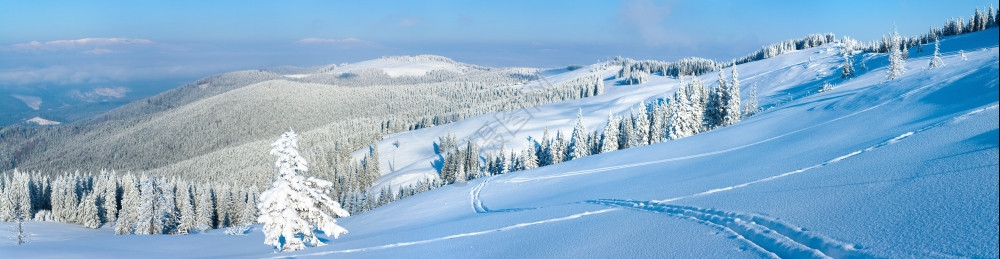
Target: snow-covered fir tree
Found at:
x=558, y=149
x=731, y=112
x=185, y=205
x=156, y=208
x=223, y=205
x=15, y=198
x=896, y=61
x=609, y=137
x=936, y=61
x=248, y=214
x=204, y=208
x=848, y=70
x=598, y=86
x=658, y=124
x=750, y=107
x=108, y=196
x=545, y=149
x=578, y=143
x=641, y=127
x=687, y=109
x=470, y=159
x=626, y=132
x=129, y=214
x=528, y=158
x=715, y=108
x=295, y=206
x=89, y=214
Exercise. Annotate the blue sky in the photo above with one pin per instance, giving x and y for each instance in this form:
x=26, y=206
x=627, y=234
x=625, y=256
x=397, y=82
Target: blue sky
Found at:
x=152, y=40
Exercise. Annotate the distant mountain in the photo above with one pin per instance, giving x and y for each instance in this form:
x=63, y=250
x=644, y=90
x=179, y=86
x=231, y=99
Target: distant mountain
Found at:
x=71, y=103
x=220, y=127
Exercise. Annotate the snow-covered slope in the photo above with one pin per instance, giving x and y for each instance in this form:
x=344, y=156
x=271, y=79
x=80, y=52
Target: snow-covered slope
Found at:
x=904, y=168
x=404, y=65
x=407, y=157
x=41, y=121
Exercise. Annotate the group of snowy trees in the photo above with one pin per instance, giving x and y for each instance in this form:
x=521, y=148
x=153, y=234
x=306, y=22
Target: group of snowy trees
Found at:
x=692, y=109
x=638, y=71
x=785, y=47
x=460, y=163
x=133, y=204
x=979, y=21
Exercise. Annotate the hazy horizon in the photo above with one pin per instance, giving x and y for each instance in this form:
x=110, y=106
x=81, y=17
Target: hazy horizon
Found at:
x=50, y=45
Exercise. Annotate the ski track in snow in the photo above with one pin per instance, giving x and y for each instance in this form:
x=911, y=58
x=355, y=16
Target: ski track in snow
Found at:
x=477, y=204
x=774, y=238
x=477, y=233
x=611, y=168
x=839, y=158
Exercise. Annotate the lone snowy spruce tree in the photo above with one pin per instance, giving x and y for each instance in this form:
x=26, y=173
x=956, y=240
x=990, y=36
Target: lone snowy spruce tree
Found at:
x=936, y=61
x=295, y=206
x=896, y=60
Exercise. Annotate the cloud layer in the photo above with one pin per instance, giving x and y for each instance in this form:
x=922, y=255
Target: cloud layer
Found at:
x=96, y=43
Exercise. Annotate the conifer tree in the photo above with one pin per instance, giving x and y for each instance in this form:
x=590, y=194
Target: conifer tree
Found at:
x=471, y=159
x=657, y=129
x=936, y=61
x=249, y=213
x=750, y=107
x=896, y=62
x=109, y=197
x=545, y=150
x=732, y=114
x=187, y=221
x=128, y=215
x=626, y=132
x=291, y=209
x=155, y=213
x=528, y=158
x=641, y=127
x=715, y=108
x=848, y=70
x=557, y=148
x=609, y=137
x=204, y=208
x=578, y=144
x=89, y=215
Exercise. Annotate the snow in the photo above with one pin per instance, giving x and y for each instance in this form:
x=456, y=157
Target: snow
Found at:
x=41, y=121
x=296, y=76
x=33, y=102
x=404, y=66
x=779, y=78
x=871, y=168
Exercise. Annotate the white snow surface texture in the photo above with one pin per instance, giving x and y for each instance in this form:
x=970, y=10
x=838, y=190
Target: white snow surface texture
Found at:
x=871, y=168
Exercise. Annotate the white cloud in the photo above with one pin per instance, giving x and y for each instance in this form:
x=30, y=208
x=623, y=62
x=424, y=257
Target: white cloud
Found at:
x=61, y=74
x=409, y=22
x=332, y=41
x=98, y=51
x=79, y=43
x=347, y=43
x=648, y=18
